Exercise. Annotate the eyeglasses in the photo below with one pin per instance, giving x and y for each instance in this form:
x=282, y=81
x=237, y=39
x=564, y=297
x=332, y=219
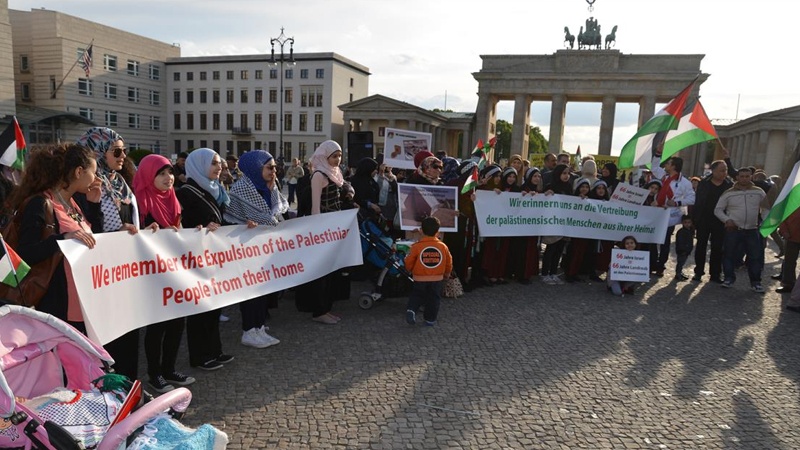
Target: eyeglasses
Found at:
x=437, y=167
x=119, y=151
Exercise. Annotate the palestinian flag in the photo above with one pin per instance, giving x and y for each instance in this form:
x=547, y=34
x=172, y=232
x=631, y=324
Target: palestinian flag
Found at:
x=639, y=150
x=787, y=202
x=471, y=182
x=12, y=268
x=694, y=128
x=479, y=155
x=12, y=146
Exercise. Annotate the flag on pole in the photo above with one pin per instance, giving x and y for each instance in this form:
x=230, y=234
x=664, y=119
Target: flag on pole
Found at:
x=479, y=155
x=12, y=268
x=787, y=202
x=86, y=60
x=639, y=150
x=12, y=146
x=693, y=128
x=471, y=182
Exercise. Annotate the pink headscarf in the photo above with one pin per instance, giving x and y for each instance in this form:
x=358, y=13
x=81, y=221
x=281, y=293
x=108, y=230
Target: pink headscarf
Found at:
x=319, y=160
x=162, y=205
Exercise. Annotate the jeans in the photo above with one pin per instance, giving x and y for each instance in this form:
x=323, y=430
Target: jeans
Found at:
x=428, y=293
x=292, y=189
x=739, y=243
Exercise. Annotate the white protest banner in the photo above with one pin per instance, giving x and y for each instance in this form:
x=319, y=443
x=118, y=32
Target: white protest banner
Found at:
x=127, y=282
x=401, y=146
x=629, y=265
x=511, y=214
x=418, y=201
x=626, y=193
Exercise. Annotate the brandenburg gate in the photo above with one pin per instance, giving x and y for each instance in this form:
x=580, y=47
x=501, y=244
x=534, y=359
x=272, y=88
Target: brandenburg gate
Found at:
x=604, y=76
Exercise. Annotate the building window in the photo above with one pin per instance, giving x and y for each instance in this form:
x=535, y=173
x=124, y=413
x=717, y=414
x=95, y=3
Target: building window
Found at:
x=110, y=63
x=351, y=98
x=243, y=121
x=155, y=123
x=273, y=74
x=243, y=96
x=133, y=120
x=155, y=72
x=52, y=84
x=229, y=75
x=319, y=98
x=229, y=146
x=287, y=151
x=203, y=76
x=26, y=91
x=189, y=96
x=259, y=74
x=303, y=125
x=189, y=76
x=111, y=119
x=176, y=124
x=229, y=121
x=303, y=73
x=215, y=75
x=287, y=96
x=273, y=96
x=243, y=75
x=272, y=146
x=133, y=68
x=259, y=96
x=258, y=122
x=215, y=96
x=110, y=91
x=311, y=96
x=257, y=145
x=176, y=97
x=203, y=96
x=203, y=122
x=229, y=96
x=133, y=94
x=24, y=65
x=215, y=145
x=177, y=145
x=287, y=122
x=84, y=86
x=351, y=82
x=301, y=151
x=190, y=144
x=273, y=119
x=86, y=113
x=190, y=121
x=318, y=122
x=203, y=143
x=155, y=98
x=381, y=131
x=215, y=121
x=289, y=74
x=320, y=73
x=176, y=76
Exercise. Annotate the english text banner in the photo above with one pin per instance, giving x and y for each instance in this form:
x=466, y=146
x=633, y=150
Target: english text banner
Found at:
x=511, y=214
x=127, y=282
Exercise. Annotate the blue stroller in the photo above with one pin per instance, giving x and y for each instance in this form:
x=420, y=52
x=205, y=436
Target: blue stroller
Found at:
x=377, y=250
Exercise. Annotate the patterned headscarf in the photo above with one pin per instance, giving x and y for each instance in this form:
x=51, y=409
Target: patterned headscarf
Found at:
x=252, y=164
x=450, y=171
x=425, y=165
x=198, y=164
x=162, y=205
x=319, y=160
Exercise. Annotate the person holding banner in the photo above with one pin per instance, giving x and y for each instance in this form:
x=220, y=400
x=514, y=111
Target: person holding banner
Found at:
x=153, y=186
x=676, y=194
x=578, y=247
x=496, y=254
x=561, y=184
x=257, y=200
x=203, y=199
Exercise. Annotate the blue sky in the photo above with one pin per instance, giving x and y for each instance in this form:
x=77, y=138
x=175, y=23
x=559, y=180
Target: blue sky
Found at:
x=419, y=50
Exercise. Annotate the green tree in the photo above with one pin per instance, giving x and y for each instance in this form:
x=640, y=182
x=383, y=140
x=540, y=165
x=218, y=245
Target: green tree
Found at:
x=536, y=141
x=503, y=145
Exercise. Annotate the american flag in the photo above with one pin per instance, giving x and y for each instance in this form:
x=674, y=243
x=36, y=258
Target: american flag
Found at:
x=86, y=60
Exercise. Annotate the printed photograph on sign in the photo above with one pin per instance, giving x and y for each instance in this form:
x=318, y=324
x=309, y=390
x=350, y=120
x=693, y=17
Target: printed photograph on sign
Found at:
x=419, y=201
x=402, y=145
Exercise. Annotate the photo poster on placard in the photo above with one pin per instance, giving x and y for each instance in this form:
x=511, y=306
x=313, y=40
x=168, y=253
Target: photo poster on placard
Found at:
x=400, y=147
x=420, y=201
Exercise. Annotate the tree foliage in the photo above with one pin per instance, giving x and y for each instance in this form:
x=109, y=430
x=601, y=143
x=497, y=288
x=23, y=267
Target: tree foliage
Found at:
x=536, y=141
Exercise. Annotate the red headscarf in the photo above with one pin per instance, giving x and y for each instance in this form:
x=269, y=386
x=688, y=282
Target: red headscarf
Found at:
x=163, y=206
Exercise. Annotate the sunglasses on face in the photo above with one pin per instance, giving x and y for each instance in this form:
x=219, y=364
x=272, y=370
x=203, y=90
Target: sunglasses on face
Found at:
x=119, y=151
x=437, y=167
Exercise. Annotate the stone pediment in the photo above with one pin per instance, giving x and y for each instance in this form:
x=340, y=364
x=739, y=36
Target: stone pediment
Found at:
x=378, y=102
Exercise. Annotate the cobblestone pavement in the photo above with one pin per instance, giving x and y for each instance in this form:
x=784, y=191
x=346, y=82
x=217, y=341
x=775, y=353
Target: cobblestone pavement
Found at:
x=678, y=365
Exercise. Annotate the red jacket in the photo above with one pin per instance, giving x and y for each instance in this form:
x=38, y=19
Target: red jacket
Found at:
x=429, y=260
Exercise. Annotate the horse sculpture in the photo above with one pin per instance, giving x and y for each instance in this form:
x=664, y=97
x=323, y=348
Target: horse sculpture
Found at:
x=611, y=38
x=591, y=37
x=569, y=38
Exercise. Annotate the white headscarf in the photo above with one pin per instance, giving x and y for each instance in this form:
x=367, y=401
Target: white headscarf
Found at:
x=198, y=164
x=319, y=160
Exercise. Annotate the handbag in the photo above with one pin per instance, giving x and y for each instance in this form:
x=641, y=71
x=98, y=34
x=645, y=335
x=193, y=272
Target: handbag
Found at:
x=452, y=288
x=32, y=288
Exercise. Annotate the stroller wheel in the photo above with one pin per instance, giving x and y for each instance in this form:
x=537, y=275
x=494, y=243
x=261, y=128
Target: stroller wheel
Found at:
x=365, y=301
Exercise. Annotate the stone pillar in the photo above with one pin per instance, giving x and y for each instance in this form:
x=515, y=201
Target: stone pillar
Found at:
x=607, y=125
x=647, y=108
x=773, y=158
x=466, y=147
x=519, y=133
x=392, y=123
x=763, y=144
x=558, y=110
x=484, y=116
x=748, y=151
x=412, y=125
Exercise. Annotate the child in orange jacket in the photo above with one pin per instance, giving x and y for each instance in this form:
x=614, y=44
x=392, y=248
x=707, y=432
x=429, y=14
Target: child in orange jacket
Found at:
x=429, y=260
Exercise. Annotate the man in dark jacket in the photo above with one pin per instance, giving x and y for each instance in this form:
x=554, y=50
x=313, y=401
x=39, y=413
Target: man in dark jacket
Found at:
x=707, y=225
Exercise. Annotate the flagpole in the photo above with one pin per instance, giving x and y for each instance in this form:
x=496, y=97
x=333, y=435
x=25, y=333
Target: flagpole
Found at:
x=55, y=91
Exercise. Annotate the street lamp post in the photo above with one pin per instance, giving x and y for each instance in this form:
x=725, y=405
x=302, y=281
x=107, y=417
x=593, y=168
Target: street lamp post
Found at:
x=282, y=40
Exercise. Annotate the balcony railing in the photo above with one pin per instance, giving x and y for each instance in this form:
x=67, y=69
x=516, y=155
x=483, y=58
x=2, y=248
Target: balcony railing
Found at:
x=242, y=131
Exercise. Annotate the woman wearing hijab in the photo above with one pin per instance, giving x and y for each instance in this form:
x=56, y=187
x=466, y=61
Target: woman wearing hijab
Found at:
x=153, y=187
x=256, y=200
x=428, y=172
x=203, y=199
x=609, y=175
x=366, y=188
x=559, y=184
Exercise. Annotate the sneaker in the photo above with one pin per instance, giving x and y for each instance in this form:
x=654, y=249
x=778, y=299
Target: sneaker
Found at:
x=411, y=317
x=546, y=279
x=253, y=338
x=326, y=319
x=160, y=385
x=179, y=379
x=224, y=318
x=727, y=284
x=758, y=288
x=557, y=280
x=224, y=359
x=267, y=339
x=430, y=323
x=210, y=365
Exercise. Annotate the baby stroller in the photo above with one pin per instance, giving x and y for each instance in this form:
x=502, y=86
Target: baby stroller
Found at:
x=49, y=395
x=377, y=250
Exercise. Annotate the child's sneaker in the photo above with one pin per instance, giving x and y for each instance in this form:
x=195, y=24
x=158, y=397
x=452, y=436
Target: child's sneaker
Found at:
x=179, y=379
x=411, y=317
x=160, y=385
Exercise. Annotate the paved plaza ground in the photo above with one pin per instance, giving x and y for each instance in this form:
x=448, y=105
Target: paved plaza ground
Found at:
x=676, y=366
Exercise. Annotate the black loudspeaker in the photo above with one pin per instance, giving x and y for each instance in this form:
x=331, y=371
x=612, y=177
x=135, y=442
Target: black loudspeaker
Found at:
x=359, y=145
